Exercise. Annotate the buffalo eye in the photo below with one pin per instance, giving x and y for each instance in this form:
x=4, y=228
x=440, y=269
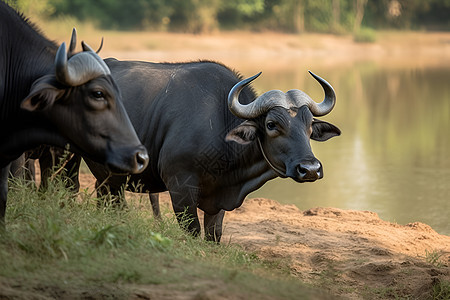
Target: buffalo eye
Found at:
x=271, y=125
x=98, y=95
x=97, y=100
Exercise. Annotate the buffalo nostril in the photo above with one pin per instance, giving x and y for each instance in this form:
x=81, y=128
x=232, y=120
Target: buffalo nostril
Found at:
x=310, y=170
x=141, y=160
x=302, y=171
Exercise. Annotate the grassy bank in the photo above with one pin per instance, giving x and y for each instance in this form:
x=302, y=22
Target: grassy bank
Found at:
x=58, y=246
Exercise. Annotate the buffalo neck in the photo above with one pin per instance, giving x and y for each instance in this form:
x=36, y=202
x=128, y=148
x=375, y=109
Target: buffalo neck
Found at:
x=25, y=56
x=256, y=173
x=249, y=172
x=25, y=139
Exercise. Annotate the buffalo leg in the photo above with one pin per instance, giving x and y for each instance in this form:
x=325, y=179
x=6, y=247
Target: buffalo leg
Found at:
x=184, y=203
x=46, y=164
x=17, y=167
x=49, y=159
x=73, y=170
x=4, y=172
x=30, y=170
x=213, y=226
x=188, y=219
x=111, y=195
x=154, y=200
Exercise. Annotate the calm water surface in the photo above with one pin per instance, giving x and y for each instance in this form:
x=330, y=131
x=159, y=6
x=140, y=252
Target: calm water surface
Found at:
x=393, y=156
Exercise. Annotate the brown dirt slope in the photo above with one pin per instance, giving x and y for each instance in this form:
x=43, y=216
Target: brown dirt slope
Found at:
x=351, y=253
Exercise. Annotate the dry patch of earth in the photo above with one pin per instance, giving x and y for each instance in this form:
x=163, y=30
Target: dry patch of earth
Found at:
x=349, y=252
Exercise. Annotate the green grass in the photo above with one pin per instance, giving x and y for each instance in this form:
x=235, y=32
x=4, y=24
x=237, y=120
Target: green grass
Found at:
x=441, y=290
x=59, y=245
x=434, y=258
x=365, y=35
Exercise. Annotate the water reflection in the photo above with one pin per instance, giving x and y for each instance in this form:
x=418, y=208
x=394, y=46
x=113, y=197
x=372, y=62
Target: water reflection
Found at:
x=393, y=155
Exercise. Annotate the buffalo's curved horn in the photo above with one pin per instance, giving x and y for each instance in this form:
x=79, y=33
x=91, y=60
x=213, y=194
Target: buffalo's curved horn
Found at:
x=259, y=106
x=100, y=47
x=270, y=99
x=101, y=63
x=73, y=43
x=325, y=107
x=80, y=68
x=61, y=64
x=87, y=48
x=241, y=110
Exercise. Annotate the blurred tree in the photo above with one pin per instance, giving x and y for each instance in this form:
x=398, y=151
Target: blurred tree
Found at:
x=194, y=16
x=435, y=16
x=285, y=15
x=318, y=15
x=32, y=8
x=299, y=17
x=360, y=6
x=408, y=14
x=244, y=7
x=336, y=14
x=117, y=14
x=237, y=13
x=198, y=16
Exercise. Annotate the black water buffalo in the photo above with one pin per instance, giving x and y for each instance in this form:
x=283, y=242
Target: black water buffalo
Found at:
x=50, y=97
x=211, y=140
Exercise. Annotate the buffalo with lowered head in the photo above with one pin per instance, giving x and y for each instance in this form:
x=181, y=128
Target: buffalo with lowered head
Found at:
x=51, y=97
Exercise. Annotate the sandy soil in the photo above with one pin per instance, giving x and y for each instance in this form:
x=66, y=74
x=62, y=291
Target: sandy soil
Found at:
x=349, y=252
x=353, y=254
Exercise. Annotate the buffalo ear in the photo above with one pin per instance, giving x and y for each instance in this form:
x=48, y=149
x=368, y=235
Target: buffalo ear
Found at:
x=44, y=92
x=243, y=134
x=322, y=131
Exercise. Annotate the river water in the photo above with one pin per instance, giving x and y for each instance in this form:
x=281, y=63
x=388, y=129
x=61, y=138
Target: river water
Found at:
x=393, y=156
x=393, y=107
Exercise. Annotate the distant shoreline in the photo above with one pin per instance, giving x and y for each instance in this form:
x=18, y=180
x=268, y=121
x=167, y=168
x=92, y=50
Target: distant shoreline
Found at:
x=393, y=47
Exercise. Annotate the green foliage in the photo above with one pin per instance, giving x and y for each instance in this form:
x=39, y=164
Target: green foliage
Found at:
x=412, y=14
x=33, y=8
x=52, y=239
x=441, y=291
x=246, y=8
x=160, y=242
x=235, y=14
x=197, y=16
x=318, y=15
x=434, y=257
x=365, y=35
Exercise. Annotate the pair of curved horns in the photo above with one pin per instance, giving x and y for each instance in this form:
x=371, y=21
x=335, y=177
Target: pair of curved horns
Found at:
x=270, y=99
x=80, y=67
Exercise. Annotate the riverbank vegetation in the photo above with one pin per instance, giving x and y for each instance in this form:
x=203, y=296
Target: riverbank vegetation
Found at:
x=58, y=246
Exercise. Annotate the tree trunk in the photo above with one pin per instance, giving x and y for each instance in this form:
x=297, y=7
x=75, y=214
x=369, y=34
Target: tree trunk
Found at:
x=360, y=5
x=299, y=17
x=336, y=14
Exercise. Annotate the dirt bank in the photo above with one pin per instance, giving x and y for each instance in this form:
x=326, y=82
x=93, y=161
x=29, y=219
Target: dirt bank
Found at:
x=353, y=254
